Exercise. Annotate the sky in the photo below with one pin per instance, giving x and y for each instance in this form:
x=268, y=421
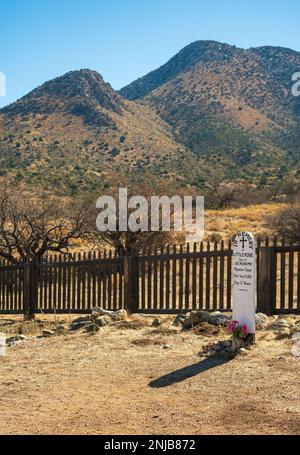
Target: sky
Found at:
x=125, y=39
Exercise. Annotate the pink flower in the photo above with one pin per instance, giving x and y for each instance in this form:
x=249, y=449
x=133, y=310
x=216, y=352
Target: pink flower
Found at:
x=237, y=330
x=245, y=329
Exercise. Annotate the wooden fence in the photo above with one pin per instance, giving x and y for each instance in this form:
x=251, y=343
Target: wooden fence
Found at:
x=171, y=280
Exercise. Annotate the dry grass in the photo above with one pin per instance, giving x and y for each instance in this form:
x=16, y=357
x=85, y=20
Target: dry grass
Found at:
x=11, y=325
x=228, y=222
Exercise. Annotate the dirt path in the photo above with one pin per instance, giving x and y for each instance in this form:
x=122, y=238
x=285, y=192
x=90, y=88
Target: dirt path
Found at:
x=122, y=381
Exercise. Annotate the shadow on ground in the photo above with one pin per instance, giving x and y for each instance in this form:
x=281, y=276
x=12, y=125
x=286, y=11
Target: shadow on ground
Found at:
x=188, y=372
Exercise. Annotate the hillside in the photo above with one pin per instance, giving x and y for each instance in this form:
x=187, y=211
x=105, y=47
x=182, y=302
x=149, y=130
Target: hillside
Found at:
x=231, y=105
x=76, y=133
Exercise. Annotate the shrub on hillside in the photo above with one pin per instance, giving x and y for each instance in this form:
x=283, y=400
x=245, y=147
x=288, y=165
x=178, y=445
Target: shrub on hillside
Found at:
x=286, y=222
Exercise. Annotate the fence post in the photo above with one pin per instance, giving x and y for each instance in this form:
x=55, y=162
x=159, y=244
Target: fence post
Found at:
x=130, y=283
x=30, y=289
x=266, y=280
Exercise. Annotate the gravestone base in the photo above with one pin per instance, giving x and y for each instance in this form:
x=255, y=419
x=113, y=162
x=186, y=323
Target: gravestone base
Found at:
x=251, y=338
x=238, y=343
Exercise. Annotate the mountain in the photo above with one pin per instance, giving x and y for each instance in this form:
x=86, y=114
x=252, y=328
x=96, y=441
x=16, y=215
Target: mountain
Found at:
x=76, y=133
x=213, y=113
x=232, y=106
x=81, y=93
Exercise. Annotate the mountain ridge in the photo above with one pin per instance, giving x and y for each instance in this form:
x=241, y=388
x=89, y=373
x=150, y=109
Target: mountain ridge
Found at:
x=80, y=92
x=237, y=103
x=181, y=58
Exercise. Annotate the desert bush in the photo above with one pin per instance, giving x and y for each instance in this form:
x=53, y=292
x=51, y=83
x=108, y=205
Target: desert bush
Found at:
x=286, y=222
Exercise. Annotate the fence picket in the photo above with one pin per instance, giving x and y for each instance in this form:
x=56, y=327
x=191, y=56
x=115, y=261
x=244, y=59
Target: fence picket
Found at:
x=221, y=288
x=207, y=272
x=291, y=279
x=174, y=278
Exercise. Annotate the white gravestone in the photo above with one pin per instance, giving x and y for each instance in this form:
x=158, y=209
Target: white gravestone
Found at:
x=244, y=279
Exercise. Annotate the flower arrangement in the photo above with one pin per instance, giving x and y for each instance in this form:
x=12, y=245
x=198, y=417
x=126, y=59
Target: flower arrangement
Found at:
x=237, y=330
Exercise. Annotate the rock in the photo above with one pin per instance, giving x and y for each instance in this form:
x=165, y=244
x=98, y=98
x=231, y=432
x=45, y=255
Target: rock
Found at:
x=261, y=321
x=280, y=324
x=167, y=346
x=91, y=328
x=82, y=319
x=179, y=320
x=102, y=321
x=98, y=311
x=7, y=323
x=243, y=351
x=78, y=325
x=218, y=318
x=206, y=329
x=200, y=316
x=15, y=339
x=222, y=345
x=296, y=344
x=113, y=317
x=237, y=344
x=120, y=315
x=60, y=328
x=48, y=333
x=156, y=323
x=195, y=317
x=295, y=329
x=123, y=315
x=220, y=349
x=187, y=323
x=283, y=334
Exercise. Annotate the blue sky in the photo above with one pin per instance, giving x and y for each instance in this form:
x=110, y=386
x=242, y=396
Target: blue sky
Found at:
x=125, y=39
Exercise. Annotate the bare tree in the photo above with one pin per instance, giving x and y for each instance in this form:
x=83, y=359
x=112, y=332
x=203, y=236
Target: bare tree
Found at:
x=220, y=196
x=128, y=241
x=132, y=242
x=286, y=222
x=32, y=225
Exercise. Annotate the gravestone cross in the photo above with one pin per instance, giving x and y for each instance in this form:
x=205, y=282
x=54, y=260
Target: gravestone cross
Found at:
x=243, y=241
x=244, y=280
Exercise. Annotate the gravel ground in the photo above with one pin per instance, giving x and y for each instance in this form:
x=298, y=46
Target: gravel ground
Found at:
x=131, y=378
